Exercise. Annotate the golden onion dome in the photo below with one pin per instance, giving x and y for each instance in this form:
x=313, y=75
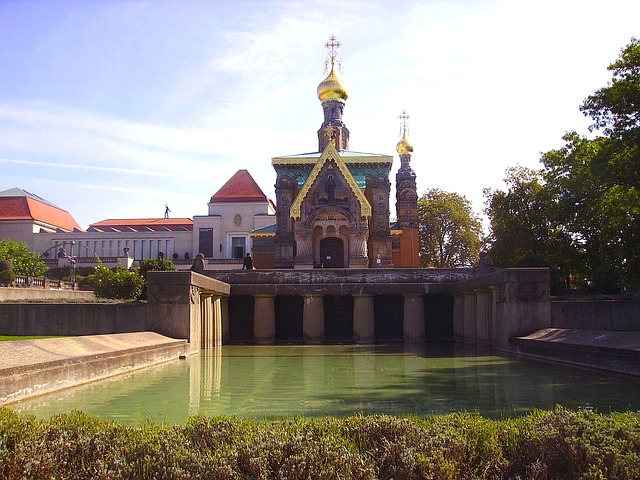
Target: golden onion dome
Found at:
x=331, y=88
x=404, y=147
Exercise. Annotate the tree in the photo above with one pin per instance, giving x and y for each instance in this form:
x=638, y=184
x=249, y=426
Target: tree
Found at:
x=24, y=261
x=523, y=231
x=581, y=212
x=449, y=230
x=597, y=201
x=615, y=108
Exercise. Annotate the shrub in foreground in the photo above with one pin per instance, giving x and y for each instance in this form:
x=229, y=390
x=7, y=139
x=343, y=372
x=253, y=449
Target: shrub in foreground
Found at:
x=558, y=444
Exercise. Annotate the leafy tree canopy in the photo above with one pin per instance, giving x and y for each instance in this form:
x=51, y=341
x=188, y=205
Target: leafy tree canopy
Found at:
x=615, y=108
x=449, y=230
x=581, y=212
x=24, y=261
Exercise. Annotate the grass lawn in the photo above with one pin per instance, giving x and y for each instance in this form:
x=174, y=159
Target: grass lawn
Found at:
x=10, y=338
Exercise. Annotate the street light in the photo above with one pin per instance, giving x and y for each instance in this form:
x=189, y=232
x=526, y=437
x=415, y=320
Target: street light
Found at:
x=72, y=263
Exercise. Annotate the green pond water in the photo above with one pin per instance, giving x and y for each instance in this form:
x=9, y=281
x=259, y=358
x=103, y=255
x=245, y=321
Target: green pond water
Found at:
x=274, y=381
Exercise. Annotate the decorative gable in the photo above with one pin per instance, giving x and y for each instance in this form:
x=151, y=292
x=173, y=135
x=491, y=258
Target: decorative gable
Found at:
x=331, y=181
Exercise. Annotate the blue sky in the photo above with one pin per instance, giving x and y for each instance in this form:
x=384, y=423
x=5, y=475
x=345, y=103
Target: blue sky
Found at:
x=112, y=109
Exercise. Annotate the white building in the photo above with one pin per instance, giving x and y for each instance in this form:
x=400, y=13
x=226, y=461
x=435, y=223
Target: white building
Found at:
x=235, y=210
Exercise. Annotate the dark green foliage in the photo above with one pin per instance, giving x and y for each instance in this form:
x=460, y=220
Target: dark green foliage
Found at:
x=150, y=265
x=64, y=273
x=7, y=277
x=160, y=265
x=559, y=444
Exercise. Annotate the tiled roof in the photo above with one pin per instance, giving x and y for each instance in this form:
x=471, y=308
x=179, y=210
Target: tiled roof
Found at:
x=143, y=225
x=241, y=187
x=18, y=204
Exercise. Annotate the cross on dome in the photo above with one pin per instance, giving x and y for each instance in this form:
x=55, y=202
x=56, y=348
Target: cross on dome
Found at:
x=332, y=57
x=404, y=122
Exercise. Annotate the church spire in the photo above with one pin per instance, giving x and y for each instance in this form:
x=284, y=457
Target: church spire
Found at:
x=333, y=95
x=406, y=188
x=404, y=148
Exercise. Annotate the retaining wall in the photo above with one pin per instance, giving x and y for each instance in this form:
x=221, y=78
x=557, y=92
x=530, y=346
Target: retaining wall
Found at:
x=611, y=315
x=34, y=367
x=31, y=294
x=72, y=318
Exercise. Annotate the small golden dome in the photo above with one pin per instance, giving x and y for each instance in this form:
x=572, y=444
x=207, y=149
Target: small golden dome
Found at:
x=404, y=147
x=331, y=88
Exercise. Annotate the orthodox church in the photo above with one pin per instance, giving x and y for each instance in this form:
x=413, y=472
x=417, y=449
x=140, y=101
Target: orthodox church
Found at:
x=333, y=204
x=331, y=211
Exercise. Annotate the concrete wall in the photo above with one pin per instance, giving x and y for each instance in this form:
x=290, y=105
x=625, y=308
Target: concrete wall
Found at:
x=73, y=318
x=611, y=315
x=31, y=294
x=51, y=364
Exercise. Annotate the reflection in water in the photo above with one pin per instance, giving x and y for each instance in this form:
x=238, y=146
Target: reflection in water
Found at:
x=273, y=381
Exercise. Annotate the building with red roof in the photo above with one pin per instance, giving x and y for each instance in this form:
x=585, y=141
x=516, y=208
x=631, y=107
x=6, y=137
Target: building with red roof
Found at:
x=23, y=214
x=238, y=208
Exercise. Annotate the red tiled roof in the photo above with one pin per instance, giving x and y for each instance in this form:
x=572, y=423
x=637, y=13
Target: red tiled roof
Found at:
x=241, y=187
x=142, y=224
x=27, y=208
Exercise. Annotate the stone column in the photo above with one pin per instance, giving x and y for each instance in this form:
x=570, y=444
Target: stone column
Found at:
x=224, y=315
x=483, y=317
x=458, y=317
x=264, y=319
x=313, y=319
x=413, y=318
x=206, y=318
x=363, y=319
x=217, y=321
x=195, y=319
x=469, y=317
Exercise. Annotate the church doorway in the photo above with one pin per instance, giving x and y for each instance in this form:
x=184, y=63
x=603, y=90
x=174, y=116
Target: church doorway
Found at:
x=332, y=252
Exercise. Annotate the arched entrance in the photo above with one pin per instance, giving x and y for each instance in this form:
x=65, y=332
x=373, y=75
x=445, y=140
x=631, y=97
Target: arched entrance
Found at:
x=332, y=252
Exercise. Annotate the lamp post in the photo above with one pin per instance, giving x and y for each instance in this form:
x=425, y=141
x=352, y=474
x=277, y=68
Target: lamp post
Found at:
x=72, y=263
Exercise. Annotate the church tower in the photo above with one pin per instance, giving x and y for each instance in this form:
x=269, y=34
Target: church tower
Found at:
x=332, y=204
x=407, y=201
x=332, y=96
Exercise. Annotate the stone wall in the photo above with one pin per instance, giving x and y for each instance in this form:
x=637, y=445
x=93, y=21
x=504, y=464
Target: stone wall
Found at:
x=490, y=309
x=611, y=315
x=61, y=319
x=30, y=294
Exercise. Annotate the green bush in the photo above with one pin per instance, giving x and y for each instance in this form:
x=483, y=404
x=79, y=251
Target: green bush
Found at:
x=7, y=277
x=160, y=265
x=118, y=283
x=558, y=444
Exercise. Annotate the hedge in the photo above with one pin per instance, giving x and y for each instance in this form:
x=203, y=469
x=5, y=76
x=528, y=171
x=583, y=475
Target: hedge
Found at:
x=557, y=444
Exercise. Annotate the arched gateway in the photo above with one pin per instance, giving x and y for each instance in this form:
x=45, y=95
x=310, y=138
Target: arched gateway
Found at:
x=331, y=252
